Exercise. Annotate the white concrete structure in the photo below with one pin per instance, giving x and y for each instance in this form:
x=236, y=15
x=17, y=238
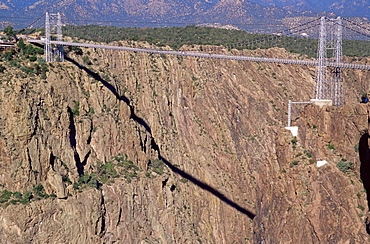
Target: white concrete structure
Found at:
x=293, y=130
x=321, y=163
x=322, y=102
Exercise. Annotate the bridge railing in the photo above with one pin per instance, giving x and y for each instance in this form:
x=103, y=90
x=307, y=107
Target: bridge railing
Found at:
x=209, y=55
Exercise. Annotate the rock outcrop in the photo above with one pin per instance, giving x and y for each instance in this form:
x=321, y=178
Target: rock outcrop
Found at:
x=140, y=148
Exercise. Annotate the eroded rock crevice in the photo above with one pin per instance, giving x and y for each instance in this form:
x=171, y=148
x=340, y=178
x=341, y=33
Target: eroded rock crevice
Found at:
x=52, y=160
x=364, y=155
x=73, y=142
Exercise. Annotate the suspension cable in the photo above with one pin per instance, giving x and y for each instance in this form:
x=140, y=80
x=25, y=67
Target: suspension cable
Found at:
x=30, y=25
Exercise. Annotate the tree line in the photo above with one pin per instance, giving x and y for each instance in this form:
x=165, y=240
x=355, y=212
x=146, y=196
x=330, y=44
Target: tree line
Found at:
x=177, y=37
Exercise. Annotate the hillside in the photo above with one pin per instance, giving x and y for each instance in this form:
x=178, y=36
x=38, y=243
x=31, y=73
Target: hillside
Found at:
x=119, y=147
x=181, y=37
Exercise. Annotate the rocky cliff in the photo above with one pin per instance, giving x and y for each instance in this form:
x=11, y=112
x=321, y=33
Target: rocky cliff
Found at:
x=119, y=147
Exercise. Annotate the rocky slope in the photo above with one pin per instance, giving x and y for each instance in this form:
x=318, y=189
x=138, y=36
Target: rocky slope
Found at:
x=140, y=148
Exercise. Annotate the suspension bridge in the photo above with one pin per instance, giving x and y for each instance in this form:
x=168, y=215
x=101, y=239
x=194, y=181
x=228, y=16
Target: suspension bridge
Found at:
x=329, y=60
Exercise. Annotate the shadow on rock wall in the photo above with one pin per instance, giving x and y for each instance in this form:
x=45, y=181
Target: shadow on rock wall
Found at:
x=364, y=153
x=154, y=145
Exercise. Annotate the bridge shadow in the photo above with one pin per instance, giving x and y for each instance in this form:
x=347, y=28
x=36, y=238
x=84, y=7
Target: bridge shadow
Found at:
x=97, y=77
x=155, y=147
x=364, y=154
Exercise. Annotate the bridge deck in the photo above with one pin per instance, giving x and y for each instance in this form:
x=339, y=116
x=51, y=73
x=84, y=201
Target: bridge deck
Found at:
x=208, y=55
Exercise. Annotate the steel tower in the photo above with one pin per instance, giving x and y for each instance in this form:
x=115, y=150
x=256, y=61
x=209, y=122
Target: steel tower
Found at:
x=53, y=24
x=328, y=82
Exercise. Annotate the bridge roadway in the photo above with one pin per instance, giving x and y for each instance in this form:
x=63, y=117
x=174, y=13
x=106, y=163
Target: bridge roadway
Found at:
x=209, y=55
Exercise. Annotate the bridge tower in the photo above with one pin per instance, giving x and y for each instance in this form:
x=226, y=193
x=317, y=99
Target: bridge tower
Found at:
x=328, y=81
x=53, y=25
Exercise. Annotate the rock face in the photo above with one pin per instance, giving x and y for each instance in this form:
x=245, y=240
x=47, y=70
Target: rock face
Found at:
x=140, y=148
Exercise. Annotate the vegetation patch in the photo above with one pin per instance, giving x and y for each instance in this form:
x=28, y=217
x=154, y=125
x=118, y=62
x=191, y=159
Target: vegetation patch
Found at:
x=157, y=166
x=294, y=141
x=38, y=192
x=359, y=206
x=308, y=154
x=184, y=180
x=76, y=108
x=86, y=60
x=345, y=166
x=294, y=163
x=331, y=146
x=106, y=173
x=26, y=57
x=177, y=37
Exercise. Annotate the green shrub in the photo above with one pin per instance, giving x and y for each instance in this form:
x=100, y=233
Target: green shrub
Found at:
x=308, y=154
x=5, y=196
x=17, y=195
x=14, y=63
x=26, y=69
x=128, y=178
x=66, y=180
x=14, y=201
x=107, y=169
x=89, y=180
x=2, y=68
x=106, y=172
x=32, y=58
x=157, y=166
x=93, y=181
x=331, y=146
x=76, y=108
x=26, y=197
x=298, y=155
x=38, y=188
x=122, y=161
x=77, y=50
x=294, y=141
x=294, y=163
x=8, y=56
x=184, y=180
x=84, y=179
x=362, y=208
x=76, y=186
x=86, y=60
x=345, y=166
x=41, y=61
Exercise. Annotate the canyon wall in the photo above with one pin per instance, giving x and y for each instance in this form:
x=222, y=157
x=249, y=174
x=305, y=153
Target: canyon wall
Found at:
x=143, y=148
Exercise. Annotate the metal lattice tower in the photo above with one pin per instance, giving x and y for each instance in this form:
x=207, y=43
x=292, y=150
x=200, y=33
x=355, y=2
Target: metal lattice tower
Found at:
x=328, y=81
x=53, y=24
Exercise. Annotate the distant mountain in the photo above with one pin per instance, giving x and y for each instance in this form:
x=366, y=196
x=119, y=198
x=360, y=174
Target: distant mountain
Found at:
x=17, y=4
x=143, y=12
x=345, y=8
x=248, y=15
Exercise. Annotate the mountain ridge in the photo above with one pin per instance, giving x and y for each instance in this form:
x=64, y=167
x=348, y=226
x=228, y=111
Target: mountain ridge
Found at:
x=143, y=13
